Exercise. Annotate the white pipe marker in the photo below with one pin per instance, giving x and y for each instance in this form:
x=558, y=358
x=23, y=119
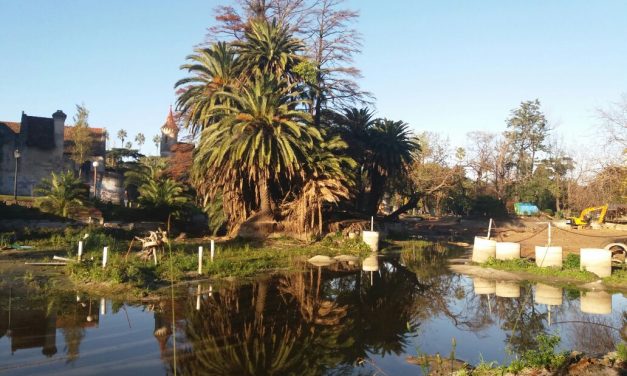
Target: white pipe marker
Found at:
x=105, y=252
x=200, y=260
x=80, y=250
x=489, y=228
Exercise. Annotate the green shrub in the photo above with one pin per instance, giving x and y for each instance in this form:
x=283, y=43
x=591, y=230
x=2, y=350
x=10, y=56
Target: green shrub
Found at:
x=542, y=357
x=571, y=261
x=7, y=238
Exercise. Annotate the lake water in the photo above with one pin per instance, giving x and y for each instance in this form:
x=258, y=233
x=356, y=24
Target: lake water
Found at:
x=324, y=320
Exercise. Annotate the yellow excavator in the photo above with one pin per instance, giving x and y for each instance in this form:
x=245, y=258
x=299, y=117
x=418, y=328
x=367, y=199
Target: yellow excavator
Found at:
x=588, y=216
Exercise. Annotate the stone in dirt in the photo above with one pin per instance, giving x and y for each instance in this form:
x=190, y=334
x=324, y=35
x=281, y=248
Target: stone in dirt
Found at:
x=320, y=260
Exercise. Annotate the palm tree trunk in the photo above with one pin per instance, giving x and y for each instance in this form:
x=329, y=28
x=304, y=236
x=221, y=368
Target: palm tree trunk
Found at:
x=265, y=203
x=376, y=193
x=260, y=300
x=319, y=216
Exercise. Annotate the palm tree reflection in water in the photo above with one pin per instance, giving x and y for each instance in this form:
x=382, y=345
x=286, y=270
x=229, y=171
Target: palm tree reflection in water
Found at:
x=304, y=323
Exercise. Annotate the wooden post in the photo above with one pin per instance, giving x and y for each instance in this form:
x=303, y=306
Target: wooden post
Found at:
x=549, y=234
x=213, y=249
x=154, y=254
x=200, y=260
x=80, y=250
x=105, y=252
x=103, y=306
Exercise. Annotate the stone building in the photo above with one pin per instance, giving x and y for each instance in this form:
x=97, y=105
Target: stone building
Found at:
x=43, y=146
x=169, y=135
x=179, y=153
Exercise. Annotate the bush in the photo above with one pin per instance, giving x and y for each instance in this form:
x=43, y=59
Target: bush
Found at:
x=542, y=357
x=488, y=206
x=571, y=262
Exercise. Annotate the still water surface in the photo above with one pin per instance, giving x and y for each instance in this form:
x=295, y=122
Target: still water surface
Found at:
x=324, y=320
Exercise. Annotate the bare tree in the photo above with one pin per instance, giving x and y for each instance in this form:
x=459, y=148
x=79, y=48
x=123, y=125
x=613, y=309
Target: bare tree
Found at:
x=502, y=168
x=481, y=154
x=615, y=123
x=332, y=43
x=231, y=21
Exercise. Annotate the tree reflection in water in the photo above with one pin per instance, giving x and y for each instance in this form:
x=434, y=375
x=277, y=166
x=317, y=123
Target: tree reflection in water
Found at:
x=301, y=323
x=323, y=320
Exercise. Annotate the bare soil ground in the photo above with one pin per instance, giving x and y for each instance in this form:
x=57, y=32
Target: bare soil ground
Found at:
x=529, y=232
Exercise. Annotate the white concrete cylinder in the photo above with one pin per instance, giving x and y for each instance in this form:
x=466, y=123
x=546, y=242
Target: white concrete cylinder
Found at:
x=548, y=256
x=596, y=260
x=507, y=251
x=548, y=295
x=372, y=239
x=507, y=290
x=371, y=263
x=483, y=249
x=483, y=286
x=596, y=302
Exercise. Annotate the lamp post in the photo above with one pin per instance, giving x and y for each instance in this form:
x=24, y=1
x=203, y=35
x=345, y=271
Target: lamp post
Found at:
x=95, y=164
x=16, y=155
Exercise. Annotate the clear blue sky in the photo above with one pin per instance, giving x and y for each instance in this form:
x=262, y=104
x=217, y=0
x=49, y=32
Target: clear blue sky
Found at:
x=444, y=66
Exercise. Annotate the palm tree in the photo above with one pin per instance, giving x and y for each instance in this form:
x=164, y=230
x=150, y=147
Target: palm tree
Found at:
x=354, y=125
x=392, y=148
x=165, y=194
x=156, y=190
x=149, y=168
x=62, y=193
x=328, y=179
x=269, y=49
x=140, y=139
x=213, y=70
x=122, y=136
x=156, y=139
x=261, y=135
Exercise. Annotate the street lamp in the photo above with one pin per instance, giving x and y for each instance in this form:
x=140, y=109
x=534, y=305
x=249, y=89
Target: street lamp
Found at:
x=16, y=155
x=95, y=164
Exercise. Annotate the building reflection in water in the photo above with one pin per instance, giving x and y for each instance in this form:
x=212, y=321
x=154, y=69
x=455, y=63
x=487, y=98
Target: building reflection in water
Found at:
x=32, y=322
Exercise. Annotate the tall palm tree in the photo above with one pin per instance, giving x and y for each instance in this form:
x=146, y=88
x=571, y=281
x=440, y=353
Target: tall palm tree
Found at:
x=392, y=148
x=122, y=136
x=260, y=135
x=212, y=70
x=62, y=193
x=354, y=125
x=140, y=139
x=269, y=49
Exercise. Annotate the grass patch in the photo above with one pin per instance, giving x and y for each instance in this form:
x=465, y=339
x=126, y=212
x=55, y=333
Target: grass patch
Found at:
x=618, y=278
x=569, y=269
x=621, y=351
x=232, y=259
